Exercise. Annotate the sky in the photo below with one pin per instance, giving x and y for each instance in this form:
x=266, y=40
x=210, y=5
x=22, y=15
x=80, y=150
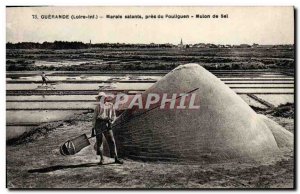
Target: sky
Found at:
x=262, y=25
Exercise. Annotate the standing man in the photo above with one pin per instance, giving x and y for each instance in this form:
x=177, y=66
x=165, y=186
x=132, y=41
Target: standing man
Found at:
x=44, y=78
x=104, y=116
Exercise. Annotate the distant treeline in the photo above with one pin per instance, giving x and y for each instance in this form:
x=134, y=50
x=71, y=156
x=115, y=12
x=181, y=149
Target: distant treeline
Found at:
x=47, y=45
x=77, y=45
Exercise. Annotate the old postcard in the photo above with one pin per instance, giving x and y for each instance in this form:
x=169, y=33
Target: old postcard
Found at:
x=150, y=97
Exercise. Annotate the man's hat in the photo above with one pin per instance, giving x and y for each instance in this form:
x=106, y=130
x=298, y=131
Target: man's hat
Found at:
x=101, y=94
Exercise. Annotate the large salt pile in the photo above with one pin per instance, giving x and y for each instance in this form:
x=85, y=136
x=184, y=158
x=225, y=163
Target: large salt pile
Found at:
x=224, y=128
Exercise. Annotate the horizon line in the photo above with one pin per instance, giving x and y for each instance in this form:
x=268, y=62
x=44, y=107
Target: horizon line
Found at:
x=147, y=43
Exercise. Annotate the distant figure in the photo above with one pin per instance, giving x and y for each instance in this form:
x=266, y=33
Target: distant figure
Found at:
x=44, y=78
x=104, y=116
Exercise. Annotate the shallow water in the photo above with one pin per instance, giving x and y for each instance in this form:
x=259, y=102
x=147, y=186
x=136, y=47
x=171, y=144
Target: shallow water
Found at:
x=74, y=86
x=259, y=82
x=263, y=90
x=62, y=63
x=240, y=81
x=257, y=88
x=262, y=85
x=50, y=98
x=50, y=105
x=83, y=78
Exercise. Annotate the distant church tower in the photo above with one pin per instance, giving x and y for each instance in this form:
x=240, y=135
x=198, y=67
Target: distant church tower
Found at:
x=181, y=45
x=90, y=44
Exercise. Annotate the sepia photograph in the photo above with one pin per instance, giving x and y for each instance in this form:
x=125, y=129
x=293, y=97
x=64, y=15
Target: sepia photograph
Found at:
x=158, y=97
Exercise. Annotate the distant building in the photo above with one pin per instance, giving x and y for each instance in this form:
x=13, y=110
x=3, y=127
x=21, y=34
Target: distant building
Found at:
x=181, y=45
x=265, y=46
x=169, y=45
x=284, y=46
x=153, y=45
x=244, y=46
x=200, y=45
x=211, y=46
